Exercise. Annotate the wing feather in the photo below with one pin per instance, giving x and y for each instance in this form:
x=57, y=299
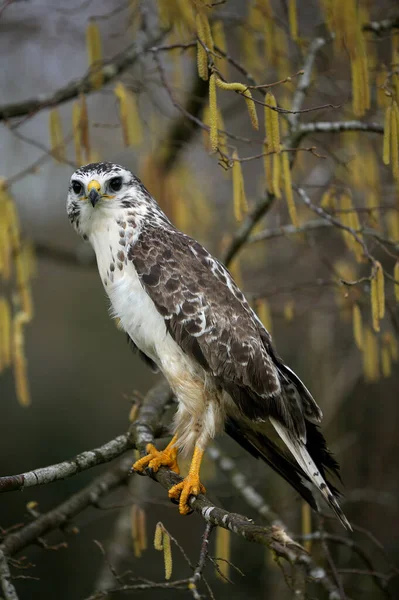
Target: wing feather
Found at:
x=208, y=316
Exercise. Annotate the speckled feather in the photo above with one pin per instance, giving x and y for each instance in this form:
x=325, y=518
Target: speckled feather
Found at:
x=208, y=316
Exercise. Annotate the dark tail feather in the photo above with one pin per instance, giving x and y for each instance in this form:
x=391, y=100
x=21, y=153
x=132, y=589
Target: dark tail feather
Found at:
x=310, y=466
x=261, y=447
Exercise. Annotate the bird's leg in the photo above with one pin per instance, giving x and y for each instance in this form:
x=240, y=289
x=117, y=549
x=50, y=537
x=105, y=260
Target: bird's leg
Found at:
x=191, y=485
x=159, y=458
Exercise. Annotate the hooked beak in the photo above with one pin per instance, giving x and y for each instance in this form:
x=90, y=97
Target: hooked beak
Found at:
x=94, y=197
x=94, y=192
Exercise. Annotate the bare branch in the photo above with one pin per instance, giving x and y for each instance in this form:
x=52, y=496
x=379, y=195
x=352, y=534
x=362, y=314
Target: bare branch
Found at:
x=68, y=468
x=304, y=81
x=339, y=126
x=114, y=67
x=9, y=591
x=244, y=231
x=256, y=502
x=380, y=26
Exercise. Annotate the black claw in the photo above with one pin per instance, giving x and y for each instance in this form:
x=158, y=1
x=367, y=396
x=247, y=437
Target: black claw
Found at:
x=141, y=473
x=174, y=501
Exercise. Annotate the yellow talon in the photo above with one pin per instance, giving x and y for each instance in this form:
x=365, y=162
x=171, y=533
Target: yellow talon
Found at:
x=159, y=458
x=190, y=486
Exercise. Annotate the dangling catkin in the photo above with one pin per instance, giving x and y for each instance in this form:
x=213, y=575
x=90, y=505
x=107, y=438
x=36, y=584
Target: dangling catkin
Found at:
x=213, y=113
x=357, y=326
x=272, y=123
x=94, y=52
x=286, y=172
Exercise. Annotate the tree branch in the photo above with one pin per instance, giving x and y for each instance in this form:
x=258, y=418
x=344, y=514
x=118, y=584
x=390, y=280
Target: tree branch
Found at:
x=380, y=26
x=244, y=231
x=68, y=468
x=338, y=126
x=112, y=69
x=255, y=501
x=9, y=591
x=304, y=81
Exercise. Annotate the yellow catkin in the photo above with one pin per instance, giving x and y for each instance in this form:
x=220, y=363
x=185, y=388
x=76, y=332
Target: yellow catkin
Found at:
x=77, y=134
x=202, y=58
x=130, y=120
x=395, y=140
x=276, y=175
x=222, y=138
x=268, y=167
x=135, y=531
x=264, y=313
x=213, y=113
x=387, y=136
x=5, y=246
x=186, y=19
x=94, y=54
x=380, y=290
x=272, y=123
x=392, y=223
x=289, y=196
x=391, y=343
x=242, y=89
x=395, y=64
x=293, y=19
x=5, y=334
x=222, y=551
x=133, y=411
x=167, y=555
x=56, y=135
x=374, y=304
x=327, y=199
x=396, y=277
x=84, y=125
x=19, y=361
x=24, y=291
x=265, y=10
x=219, y=40
x=158, y=537
x=371, y=367
x=235, y=272
x=306, y=518
x=248, y=41
x=289, y=309
x=357, y=326
x=386, y=362
x=239, y=199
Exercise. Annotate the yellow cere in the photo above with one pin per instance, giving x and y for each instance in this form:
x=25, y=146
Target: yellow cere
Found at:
x=94, y=184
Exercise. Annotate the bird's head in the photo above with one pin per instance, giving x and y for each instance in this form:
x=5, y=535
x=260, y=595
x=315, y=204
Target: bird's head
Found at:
x=100, y=190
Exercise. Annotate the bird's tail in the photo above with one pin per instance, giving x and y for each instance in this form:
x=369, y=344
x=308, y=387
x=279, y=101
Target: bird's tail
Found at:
x=303, y=466
x=314, y=468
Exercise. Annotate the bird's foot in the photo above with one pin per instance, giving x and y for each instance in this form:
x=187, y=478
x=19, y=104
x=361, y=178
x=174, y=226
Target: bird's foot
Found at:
x=158, y=458
x=190, y=486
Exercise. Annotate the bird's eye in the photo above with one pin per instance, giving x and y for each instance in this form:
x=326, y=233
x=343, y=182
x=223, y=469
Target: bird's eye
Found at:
x=115, y=184
x=77, y=187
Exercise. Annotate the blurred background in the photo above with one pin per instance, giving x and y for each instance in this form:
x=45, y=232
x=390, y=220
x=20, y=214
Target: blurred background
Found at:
x=72, y=378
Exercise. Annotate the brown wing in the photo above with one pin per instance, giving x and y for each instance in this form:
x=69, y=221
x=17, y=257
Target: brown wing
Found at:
x=208, y=316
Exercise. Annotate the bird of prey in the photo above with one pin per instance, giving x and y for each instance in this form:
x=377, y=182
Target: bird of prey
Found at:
x=182, y=310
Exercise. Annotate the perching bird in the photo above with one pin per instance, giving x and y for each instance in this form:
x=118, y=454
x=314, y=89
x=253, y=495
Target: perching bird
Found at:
x=181, y=308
